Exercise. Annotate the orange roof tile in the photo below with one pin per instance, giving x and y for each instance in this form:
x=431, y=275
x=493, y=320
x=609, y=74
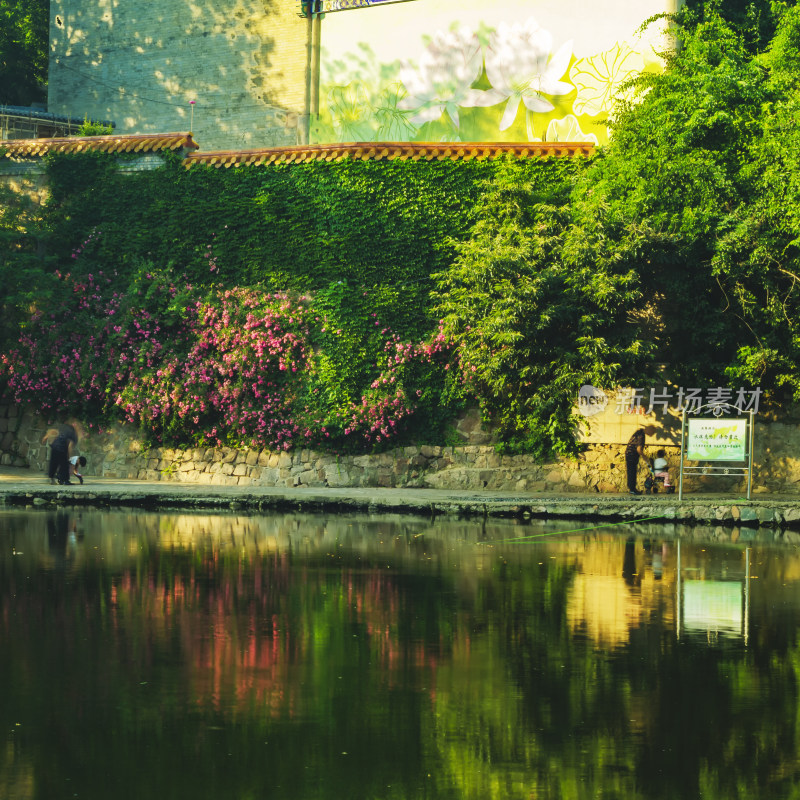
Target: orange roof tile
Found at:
x=366, y=151
x=387, y=150
x=131, y=143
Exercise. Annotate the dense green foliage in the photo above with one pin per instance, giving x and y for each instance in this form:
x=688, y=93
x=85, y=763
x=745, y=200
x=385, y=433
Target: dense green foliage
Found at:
x=298, y=226
x=758, y=256
x=531, y=326
x=756, y=20
x=358, y=240
x=24, y=37
x=670, y=256
x=24, y=277
x=90, y=128
x=695, y=195
x=667, y=189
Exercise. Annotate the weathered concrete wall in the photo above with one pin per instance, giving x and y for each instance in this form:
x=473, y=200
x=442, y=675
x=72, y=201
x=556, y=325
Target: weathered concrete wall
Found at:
x=243, y=62
x=24, y=177
x=119, y=452
x=28, y=176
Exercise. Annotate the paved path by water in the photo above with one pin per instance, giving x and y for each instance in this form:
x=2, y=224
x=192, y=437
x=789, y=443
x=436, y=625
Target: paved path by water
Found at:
x=23, y=487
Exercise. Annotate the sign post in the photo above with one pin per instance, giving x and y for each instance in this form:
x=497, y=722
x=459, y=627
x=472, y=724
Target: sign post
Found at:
x=717, y=439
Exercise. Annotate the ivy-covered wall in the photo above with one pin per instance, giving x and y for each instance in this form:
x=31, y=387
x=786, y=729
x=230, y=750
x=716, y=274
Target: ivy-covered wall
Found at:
x=295, y=226
x=281, y=306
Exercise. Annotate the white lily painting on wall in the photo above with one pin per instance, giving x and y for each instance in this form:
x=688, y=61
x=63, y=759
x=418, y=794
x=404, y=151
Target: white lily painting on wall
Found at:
x=522, y=69
x=508, y=83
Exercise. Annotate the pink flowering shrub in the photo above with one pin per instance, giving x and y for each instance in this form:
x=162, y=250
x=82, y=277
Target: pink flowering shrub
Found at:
x=400, y=394
x=237, y=377
x=70, y=356
x=240, y=366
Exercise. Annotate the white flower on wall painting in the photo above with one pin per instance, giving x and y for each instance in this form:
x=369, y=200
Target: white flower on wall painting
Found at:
x=521, y=67
x=451, y=63
x=599, y=77
x=567, y=130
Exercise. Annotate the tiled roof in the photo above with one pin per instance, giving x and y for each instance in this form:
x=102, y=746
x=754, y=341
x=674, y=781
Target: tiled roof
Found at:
x=133, y=143
x=367, y=151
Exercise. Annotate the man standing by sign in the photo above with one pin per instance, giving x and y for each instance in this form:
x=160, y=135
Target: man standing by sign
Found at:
x=633, y=452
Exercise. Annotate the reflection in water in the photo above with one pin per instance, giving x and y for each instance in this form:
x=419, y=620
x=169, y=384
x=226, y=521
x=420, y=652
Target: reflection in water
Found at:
x=629, y=573
x=199, y=655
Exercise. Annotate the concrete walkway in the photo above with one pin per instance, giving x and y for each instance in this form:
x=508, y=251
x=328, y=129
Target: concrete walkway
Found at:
x=24, y=487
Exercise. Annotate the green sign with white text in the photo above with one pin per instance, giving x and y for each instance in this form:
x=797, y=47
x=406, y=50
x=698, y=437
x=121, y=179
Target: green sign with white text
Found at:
x=717, y=440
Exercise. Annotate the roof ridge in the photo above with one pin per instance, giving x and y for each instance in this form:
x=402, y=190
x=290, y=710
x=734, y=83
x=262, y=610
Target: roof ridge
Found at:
x=112, y=143
x=387, y=150
x=367, y=151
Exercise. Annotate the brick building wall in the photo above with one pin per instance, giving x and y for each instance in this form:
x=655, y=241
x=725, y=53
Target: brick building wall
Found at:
x=243, y=62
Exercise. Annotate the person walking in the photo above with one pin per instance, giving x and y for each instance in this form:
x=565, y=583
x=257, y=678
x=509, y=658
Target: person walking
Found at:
x=633, y=452
x=63, y=441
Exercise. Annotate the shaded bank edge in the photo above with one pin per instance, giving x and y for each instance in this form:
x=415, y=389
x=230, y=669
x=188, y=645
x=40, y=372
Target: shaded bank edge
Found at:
x=752, y=514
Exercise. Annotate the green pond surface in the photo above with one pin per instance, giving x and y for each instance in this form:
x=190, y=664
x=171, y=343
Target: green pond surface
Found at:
x=193, y=655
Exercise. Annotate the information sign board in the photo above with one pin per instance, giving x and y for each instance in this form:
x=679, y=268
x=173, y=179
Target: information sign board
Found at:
x=716, y=440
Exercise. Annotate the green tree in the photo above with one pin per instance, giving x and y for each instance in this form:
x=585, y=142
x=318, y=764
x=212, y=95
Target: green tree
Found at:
x=757, y=20
x=24, y=38
x=531, y=325
x=677, y=176
x=90, y=128
x=24, y=281
x=759, y=257
x=622, y=277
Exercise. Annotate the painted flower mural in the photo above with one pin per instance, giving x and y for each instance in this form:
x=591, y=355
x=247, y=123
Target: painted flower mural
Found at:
x=471, y=85
x=359, y=108
x=350, y=109
x=598, y=79
x=568, y=130
x=522, y=68
x=451, y=63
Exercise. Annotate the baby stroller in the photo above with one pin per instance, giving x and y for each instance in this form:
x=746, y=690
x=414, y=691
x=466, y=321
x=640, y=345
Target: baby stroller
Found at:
x=659, y=475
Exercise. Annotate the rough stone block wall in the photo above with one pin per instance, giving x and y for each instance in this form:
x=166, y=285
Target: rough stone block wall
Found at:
x=119, y=453
x=139, y=64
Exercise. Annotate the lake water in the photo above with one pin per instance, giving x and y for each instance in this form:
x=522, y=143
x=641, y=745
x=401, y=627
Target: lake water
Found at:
x=295, y=656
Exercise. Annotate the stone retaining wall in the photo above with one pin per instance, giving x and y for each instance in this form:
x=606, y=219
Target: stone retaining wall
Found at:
x=120, y=453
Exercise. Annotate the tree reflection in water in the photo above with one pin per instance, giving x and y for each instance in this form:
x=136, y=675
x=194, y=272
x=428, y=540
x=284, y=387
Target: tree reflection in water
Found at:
x=193, y=655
